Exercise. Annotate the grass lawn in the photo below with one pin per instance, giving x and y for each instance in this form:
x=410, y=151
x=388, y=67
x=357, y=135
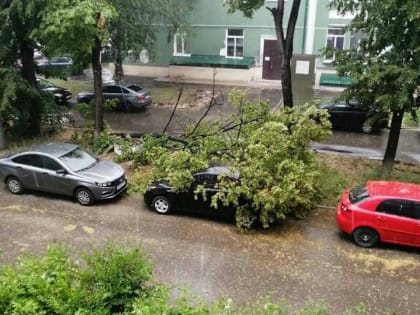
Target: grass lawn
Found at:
x=340, y=172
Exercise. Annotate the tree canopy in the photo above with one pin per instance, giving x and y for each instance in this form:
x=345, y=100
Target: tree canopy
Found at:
x=284, y=181
x=385, y=65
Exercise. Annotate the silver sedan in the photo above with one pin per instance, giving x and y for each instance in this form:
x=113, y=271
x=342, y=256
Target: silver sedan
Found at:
x=65, y=169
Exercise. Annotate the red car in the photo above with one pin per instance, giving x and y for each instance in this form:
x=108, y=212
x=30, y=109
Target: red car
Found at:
x=381, y=211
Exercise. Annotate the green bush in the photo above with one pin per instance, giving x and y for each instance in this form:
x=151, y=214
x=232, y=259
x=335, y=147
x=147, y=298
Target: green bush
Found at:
x=23, y=108
x=107, y=281
x=112, y=280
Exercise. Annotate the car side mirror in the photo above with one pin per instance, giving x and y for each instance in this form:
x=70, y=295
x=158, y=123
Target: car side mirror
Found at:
x=61, y=171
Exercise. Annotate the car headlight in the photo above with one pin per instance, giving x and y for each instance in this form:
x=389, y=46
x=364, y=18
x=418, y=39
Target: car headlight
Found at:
x=107, y=184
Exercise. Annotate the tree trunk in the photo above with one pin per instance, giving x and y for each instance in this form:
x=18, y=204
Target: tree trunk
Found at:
x=119, y=71
x=28, y=73
x=393, y=138
x=97, y=85
x=285, y=45
x=116, y=54
x=286, y=82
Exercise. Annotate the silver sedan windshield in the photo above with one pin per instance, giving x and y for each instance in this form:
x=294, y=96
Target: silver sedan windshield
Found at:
x=78, y=160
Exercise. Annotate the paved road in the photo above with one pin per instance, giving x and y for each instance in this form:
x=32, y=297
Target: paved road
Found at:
x=298, y=261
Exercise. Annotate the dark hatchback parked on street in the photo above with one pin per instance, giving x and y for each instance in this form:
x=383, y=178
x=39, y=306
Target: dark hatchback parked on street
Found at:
x=348, y=115
x=65, y=169
x=163, y=199
x=129, y=96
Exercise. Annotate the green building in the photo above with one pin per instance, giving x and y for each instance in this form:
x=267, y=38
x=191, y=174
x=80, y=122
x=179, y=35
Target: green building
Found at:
x=231, y=47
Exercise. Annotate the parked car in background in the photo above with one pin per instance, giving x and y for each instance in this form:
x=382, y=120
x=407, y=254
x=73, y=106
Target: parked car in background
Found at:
x=381, y=211
x=65, y=169
x=61, y=95
x=163, y=199
x=349, y=115
x=129, y=96
x=55, y=63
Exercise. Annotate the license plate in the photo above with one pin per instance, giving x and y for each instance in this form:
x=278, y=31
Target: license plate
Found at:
x=121, y=185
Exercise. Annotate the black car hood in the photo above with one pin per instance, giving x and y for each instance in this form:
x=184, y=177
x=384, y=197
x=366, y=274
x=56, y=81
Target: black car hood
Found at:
x=57, y=89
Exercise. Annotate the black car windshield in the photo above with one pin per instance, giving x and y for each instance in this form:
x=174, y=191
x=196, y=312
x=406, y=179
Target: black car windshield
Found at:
x=78, y=160
x=44, y=84
x=135, y=88
x=358, y=194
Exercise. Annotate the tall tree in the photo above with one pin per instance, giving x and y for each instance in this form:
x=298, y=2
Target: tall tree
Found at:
x=19, y=19
x=137, y=24
x=386, y=63
x=79, y=28
x=284, y=40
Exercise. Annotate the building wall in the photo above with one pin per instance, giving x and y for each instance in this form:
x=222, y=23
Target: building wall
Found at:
x=209, y=22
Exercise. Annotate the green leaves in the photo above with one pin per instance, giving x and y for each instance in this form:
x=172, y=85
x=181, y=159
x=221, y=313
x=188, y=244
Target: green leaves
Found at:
x=278, y=172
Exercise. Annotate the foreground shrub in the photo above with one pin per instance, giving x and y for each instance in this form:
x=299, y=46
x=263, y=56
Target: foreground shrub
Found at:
x=111, y=280
x=106, y=281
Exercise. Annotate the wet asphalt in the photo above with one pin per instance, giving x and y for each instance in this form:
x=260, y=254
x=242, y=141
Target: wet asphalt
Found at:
x=299, y=261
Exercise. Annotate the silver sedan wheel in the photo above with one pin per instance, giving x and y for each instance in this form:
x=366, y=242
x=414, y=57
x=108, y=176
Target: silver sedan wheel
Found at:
x=367, y=128
x=14, y=185
x=84, y=197
x=161, y=205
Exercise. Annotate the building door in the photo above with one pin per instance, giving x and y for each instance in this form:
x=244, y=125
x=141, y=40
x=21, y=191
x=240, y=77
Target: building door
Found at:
x=271, y=61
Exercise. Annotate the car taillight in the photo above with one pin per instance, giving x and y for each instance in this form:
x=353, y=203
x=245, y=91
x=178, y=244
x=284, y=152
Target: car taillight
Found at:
x=140, y=97
x=344, y=208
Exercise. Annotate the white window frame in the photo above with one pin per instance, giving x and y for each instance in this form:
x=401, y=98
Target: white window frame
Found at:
x=183, y=38
x=235, y=38
x=334, y=36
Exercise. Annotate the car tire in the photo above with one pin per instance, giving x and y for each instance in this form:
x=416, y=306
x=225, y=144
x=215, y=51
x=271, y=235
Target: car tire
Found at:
x=84, y=197
x=128, y=107
x=365, y=237
x=161, y=205
x=14, y=185
x=367, y=128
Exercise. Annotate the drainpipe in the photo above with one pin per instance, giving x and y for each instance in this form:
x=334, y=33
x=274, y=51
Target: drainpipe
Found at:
x=305, y=17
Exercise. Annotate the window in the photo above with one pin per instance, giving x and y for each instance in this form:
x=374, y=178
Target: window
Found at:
x=111, y=89
x=358, y=194
x=29, y=159
x=234, y=43
x=402, y=208
x=181, y=47
x=335, y=40
x=51, y=164
x=355, y=38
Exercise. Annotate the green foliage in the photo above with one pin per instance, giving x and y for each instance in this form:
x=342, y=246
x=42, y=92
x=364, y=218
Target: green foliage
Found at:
x=332, y=184
x=112, y=280
x=18, y=99
x=279, y=176
x=107, y=282
x=88, y=110
x=102, y=144
x=386, y=63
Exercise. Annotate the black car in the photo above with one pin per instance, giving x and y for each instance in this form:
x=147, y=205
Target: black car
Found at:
x=163, y=199
x=348, y=115
x=61, y=95
x=130, y=96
